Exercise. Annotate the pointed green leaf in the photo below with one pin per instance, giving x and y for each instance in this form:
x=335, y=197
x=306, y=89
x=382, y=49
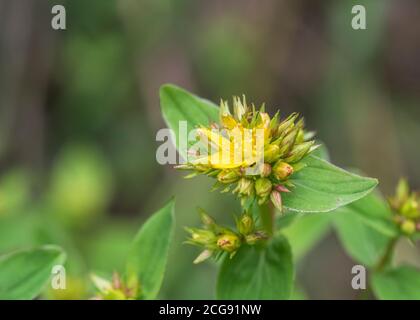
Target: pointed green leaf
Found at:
x=323, y=187
x=179, y=105
x=402, y=283
x=149, y=252
x=25, y=273
x=258, y=272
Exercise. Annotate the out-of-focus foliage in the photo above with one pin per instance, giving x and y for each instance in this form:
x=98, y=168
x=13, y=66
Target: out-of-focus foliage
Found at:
x=25, y=273
x=80, y=186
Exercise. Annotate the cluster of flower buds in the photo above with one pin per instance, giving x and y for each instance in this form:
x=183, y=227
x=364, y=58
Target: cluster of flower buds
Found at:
x=217, y=240
x=117, y=289
x=253, y=154
x=406, y=207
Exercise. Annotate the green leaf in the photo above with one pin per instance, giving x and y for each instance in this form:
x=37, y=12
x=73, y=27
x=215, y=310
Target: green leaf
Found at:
x=179, y=105
x=148, y=254
x=25, y=273
x=402, y=283
x=306, y=231
x=362, y=243
x=323, y=187
x=365, y=228
x=258, y=272
x=374, y=212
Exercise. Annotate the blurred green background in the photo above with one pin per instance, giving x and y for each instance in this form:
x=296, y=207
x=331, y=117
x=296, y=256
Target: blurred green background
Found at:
x=79, y=112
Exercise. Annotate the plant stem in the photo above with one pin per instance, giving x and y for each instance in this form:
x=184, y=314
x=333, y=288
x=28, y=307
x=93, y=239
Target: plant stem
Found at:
x=386, y=258
x=267, y=218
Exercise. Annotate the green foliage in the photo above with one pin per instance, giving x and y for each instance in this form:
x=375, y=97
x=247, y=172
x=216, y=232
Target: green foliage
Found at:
x=264, y=272
x=365, y=229
x=402, y=283
x=179, y=105
x=361, y=242
x=24, y=274
x=323, y=187
x=80, y=185
x=148, y=254
x=14, y=190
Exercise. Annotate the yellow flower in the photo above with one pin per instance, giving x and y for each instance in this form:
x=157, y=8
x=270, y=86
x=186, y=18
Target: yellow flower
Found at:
x=246, y=145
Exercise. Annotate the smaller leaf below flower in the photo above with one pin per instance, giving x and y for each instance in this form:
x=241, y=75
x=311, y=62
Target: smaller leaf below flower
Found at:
x=258, y=272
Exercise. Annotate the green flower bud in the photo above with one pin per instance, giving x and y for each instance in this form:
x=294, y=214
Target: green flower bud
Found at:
x=263, y=187
x=410, y=208
x=286, y=124
x=271, y=153
x=408, y=227
x=202, y=237
x=289, y=140
x=282, y=170
x=229, y=242
x=228, y=176
x=245, y=224
x=245, y=187
x=299, y=151
x=300, y=136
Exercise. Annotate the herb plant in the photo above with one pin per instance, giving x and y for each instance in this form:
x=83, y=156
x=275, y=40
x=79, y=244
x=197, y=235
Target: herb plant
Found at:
x=257, y=260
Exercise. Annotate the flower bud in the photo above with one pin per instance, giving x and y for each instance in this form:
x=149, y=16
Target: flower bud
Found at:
x=282, y=170
x=410, y=209
x=266, y=170
x=229, y=242
x=271, y=153
x=300, y=138
x=201, y=237
x=287, y=123
x=245, y=187
x=245, y=224
x=299, y=151
x=289, y=140
x=275, y=197
x=263, y=187
x=228, y=176
x=408, y=227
